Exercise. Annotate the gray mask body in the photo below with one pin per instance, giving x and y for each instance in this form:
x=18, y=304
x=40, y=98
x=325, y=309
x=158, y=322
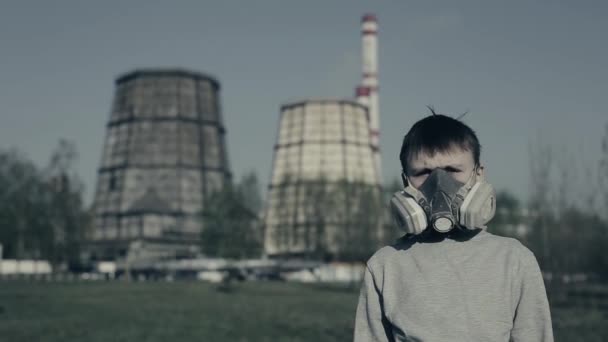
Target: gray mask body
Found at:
x=441, y=199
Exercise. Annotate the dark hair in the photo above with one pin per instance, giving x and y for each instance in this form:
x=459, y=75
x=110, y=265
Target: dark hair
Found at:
x=438, y=133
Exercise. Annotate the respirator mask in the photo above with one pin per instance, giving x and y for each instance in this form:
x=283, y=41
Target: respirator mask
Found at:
x=444, y=203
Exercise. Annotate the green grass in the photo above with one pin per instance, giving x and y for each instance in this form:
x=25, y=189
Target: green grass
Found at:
x=194, y=311
x=580, y=325
x=181, y=311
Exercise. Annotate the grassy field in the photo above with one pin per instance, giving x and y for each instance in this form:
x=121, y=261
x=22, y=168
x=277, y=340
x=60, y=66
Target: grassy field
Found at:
x=193, y=311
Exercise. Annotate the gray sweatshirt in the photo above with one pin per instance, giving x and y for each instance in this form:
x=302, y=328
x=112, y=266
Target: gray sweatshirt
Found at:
x=473, y=286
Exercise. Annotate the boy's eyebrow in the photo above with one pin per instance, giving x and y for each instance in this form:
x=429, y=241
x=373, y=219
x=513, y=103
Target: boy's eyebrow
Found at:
x=415, y=170
x=456, y=166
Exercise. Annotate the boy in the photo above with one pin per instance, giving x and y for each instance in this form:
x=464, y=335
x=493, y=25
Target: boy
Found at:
x=448, y=279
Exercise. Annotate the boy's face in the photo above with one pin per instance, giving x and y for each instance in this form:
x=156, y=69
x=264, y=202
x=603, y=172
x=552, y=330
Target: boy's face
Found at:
x=457, y=161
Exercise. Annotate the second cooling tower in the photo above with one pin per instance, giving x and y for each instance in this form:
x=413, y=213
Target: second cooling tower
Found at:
x=318, y=141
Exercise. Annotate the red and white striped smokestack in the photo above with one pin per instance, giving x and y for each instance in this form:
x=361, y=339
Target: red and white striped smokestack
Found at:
x=369, y=37
x=362, y=95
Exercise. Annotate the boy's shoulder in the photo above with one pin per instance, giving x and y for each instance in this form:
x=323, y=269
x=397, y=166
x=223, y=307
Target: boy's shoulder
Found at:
x=482, y=240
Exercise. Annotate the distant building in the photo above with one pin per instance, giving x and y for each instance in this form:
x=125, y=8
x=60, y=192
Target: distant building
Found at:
x=323, y=145
x=163, y=154
x=319, y=140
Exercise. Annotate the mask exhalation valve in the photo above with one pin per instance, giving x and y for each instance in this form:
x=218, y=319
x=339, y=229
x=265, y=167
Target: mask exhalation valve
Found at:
x=443, y=224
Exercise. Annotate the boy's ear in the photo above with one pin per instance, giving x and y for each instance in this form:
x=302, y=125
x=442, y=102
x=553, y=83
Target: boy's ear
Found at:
x=480, y=171
x=404, y=179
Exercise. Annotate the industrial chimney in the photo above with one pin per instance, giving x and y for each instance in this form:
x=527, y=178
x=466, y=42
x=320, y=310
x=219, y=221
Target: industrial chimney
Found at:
x=369, y=37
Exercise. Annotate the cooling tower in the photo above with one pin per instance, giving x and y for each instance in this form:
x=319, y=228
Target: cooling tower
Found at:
x=319, y=142
x=164, y=152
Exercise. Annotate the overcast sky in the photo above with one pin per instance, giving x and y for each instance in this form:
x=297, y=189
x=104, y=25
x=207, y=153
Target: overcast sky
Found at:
x=527, y=71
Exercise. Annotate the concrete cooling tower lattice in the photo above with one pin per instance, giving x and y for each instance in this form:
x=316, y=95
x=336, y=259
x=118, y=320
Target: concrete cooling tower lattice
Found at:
x=317, y=140
x=164, y=152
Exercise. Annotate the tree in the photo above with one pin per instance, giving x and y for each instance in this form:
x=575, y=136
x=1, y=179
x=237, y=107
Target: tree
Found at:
x=389, y=231
x=365, y=222
x=280, y=218
x=342, y=219
x=231, y=227
x=315, y=206
x=249, y=189
x=603, y=177
x=568, y=233
x=541, y=170
x=41, y=213
x=69, y=218
x=22, y=204
x=508, y=217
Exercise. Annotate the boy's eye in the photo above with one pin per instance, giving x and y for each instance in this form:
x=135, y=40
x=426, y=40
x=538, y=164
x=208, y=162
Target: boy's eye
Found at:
x=428, y=171
x=422, y=172
x=452, y=169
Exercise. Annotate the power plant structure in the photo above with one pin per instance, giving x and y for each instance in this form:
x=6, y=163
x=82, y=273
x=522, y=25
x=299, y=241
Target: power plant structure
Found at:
x=321, y=143
x=164, y=154
x=324, y=145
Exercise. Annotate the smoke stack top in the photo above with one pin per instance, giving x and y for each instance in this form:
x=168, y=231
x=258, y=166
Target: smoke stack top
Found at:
x=369, y=17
